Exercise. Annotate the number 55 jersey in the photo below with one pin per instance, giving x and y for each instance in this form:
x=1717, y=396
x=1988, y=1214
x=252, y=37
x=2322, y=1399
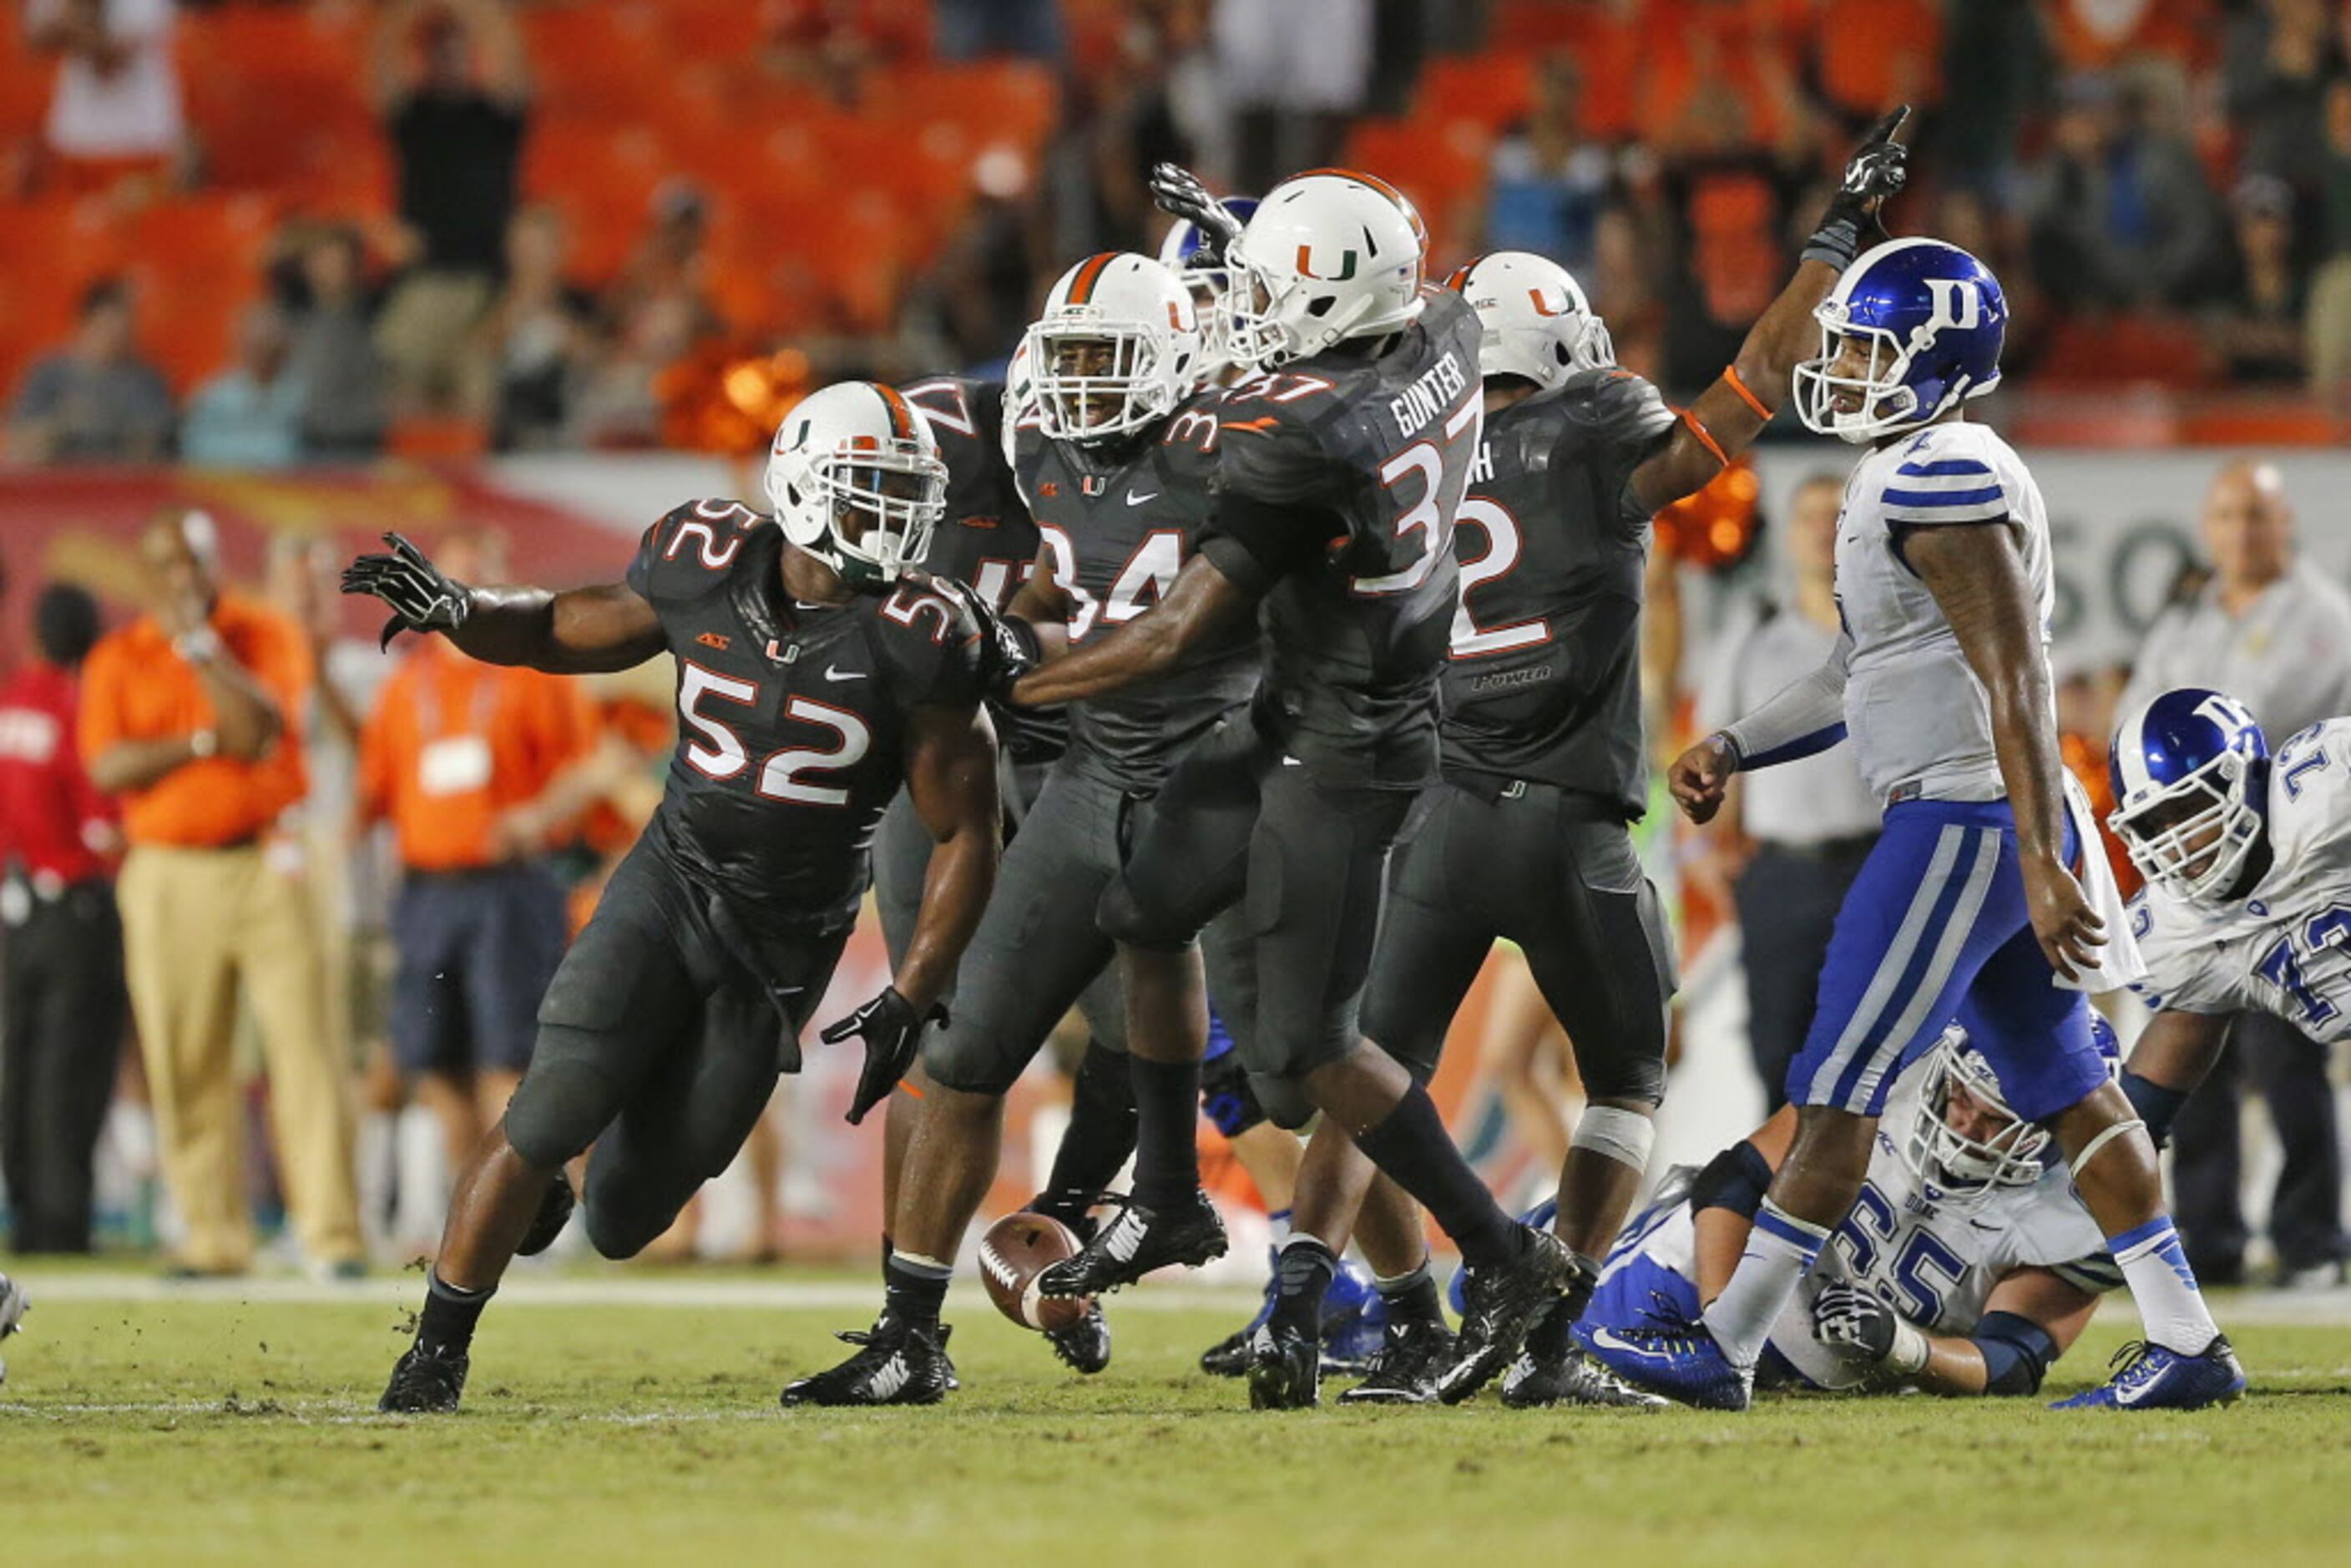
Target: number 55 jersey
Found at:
x=2285, y=946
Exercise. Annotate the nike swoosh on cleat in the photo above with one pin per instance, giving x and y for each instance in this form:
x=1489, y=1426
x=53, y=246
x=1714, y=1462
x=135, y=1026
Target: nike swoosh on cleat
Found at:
x=1607, y=1339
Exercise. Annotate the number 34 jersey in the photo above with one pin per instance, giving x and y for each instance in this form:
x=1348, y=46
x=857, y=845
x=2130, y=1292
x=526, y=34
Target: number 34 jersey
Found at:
x=1117, y=523
x=2285, y=947
x=793, y=717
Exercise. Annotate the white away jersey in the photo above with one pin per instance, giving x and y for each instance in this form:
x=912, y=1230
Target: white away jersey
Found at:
x=1933, y=1260
x=1914, y=710
x=2285, y=947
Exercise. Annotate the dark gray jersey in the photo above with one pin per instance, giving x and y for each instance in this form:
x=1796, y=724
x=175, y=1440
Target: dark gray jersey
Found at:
x=985, y=539
x=793, y=717
x=1545, y=679
x=1337, y=486
x=1119, y=524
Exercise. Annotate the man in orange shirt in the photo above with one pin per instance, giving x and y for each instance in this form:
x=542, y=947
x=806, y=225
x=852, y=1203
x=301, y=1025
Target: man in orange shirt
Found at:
x=191, y=714
x=460, y=756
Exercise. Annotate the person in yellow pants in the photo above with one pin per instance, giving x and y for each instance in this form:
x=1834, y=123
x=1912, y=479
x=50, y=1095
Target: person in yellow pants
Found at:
x=191, y=714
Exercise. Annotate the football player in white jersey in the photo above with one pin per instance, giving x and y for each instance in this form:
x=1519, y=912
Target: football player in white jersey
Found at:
x=2247, y=907
x=1971, y=906
x=1967, y=1267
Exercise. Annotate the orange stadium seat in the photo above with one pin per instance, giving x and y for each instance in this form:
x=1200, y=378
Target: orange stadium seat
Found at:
x=601, y=177
x=603, y=57
x=1493, y=90
x=2147, y=350
x=1013, y=100
x=1441, y=167
x=1873, y=53
x=195, y=264
x=276, y=95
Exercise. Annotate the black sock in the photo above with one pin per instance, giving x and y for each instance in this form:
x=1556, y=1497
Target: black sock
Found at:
x=1167, y=1147
x=1411, y=1144
x=1303, y=1272
x=1550, y=1337
x=915, y=1292
x=450, y=1313
x=1101, y=1128
x=2156, y=1106
x=1412, y=1298
x=888, y=1252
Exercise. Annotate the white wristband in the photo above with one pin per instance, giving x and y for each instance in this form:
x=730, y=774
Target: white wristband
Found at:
x=1910, y=1350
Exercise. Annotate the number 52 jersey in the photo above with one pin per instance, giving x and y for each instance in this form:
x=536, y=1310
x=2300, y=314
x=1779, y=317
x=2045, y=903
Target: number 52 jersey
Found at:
x=793, y=717
x=2285, y=947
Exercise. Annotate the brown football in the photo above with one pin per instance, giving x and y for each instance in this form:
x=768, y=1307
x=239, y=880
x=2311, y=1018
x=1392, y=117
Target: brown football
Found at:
x=1016, y=1249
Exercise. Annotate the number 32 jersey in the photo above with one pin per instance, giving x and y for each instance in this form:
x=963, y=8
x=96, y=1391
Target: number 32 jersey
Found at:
x=793, y=717
x=2285, y=947
x=1545, y=679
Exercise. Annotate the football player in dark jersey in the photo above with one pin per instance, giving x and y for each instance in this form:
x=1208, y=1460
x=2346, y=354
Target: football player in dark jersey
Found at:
x=1339, y=465
x=1114, y=465
x=1543, y=756
x=812, y=681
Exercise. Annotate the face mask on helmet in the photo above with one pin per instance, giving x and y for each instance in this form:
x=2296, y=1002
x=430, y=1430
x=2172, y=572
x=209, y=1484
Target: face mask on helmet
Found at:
x=2192, y=837
x=865, y=504
x=1964, y=1141
x=1096, y=380
x=1913, y=330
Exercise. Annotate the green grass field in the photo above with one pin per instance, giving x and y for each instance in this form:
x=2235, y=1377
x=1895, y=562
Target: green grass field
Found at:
x=217, y=1429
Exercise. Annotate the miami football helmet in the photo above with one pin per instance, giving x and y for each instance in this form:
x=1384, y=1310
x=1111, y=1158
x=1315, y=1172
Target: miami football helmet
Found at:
x=855, y=479
x=1538, y=323
x=1329, y=255
x=2190, y=772
x=1989, y=1148
x=1210, y=280
x=1932, y=318
x=1117, y=346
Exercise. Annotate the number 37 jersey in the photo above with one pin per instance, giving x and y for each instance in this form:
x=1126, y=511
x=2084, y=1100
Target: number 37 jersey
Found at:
x=2285, y=947
x=793, y=718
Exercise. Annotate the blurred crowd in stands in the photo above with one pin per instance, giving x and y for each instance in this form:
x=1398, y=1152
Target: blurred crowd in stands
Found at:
x=257, y=232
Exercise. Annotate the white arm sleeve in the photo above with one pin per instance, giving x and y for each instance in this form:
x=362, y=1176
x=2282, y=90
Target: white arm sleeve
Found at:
x=1795, y=715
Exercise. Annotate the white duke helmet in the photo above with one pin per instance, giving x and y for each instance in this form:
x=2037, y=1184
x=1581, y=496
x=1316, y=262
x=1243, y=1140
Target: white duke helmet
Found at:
x=1330, y=255
x=856, y=480
x=1142, y=312
x=1961, y=1168
x=1538, y=324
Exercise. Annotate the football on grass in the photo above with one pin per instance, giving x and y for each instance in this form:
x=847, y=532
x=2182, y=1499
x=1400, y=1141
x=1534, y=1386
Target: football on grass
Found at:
x=1016, y=1249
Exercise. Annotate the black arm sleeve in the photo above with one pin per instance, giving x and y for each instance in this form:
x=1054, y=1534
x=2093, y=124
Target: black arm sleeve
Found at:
x=2016, y=1351
x=1257, y=543
x=1735, y=1179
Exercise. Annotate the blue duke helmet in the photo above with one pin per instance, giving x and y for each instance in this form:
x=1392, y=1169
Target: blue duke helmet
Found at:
x=1932, y=318
x=1194, y=257
x=2191, y=789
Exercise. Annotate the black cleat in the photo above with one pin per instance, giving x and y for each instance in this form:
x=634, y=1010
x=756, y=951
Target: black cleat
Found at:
x=1536, y=1379
x=1229, y=1357
x=429, y=1380
x=1135, y=1241
x=1285, y=1368
x=896, y=1364
x=554, y=1214
x=1084, y=1345
x=1500, y=1305
x=1405, y=1370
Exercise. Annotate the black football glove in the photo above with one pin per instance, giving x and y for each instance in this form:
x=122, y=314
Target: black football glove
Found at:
x=1849, y=1318
x=1008, y=646
x=1878, y=168
x=892, y=1032
x=423, y=597
x=1179, y=191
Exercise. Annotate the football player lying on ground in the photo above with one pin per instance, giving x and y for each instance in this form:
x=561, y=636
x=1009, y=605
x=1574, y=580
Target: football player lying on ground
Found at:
x=812, y=681
x=2247, y=907
x=1967, y=1267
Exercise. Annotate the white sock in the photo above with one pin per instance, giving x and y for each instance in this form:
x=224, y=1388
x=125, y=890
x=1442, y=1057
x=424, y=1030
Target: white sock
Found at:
x=1781, y=1250
x=2171, y=1304
x=1276, y=1220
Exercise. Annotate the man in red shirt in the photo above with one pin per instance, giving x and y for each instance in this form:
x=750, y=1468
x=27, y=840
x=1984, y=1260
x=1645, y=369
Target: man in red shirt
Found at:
x=61, y=994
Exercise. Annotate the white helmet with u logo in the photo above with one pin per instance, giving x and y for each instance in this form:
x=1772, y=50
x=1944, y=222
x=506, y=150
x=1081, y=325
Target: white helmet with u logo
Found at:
x=1328, y=256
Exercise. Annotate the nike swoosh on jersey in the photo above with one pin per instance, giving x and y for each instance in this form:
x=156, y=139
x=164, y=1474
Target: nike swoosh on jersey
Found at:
x=834, y=673
x=1135, y=500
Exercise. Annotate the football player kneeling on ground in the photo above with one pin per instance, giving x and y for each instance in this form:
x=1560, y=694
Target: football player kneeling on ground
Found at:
x=1967, y=1267
x=811, y=682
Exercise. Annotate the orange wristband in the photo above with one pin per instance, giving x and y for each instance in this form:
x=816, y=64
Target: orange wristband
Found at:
x=1730, y=379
